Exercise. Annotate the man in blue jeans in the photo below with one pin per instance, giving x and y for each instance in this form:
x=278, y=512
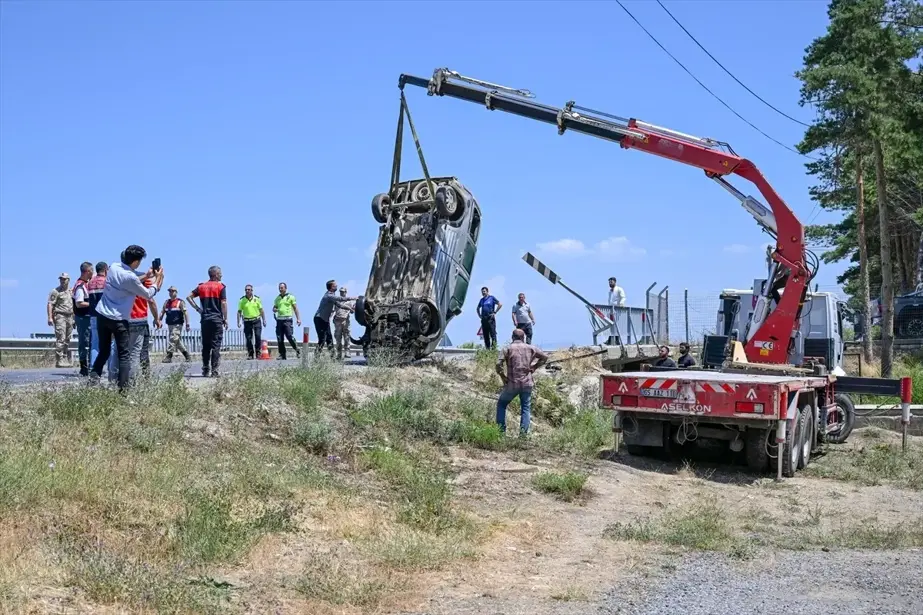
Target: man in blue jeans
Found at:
x=515, y=366
x=82, y=316
x=487, y=310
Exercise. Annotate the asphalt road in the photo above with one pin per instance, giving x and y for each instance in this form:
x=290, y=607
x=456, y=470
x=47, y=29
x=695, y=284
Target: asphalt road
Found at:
x=193, y=369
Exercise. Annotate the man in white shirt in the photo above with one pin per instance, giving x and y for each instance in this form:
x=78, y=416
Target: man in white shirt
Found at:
x=616, y=299
x=616, y=294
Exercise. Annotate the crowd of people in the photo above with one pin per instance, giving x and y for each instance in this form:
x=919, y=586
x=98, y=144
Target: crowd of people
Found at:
x=113, y=307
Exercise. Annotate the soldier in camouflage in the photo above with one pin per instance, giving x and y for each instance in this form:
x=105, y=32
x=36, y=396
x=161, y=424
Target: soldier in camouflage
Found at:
x=341, y=324
x=61, y=317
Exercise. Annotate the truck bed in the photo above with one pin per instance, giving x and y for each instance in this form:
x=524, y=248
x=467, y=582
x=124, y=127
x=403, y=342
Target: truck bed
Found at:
x=704, y=393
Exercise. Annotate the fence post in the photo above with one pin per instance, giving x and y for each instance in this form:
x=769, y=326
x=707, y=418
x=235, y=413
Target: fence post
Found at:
x=667, y=310
x=304, y=348
x=686, y=311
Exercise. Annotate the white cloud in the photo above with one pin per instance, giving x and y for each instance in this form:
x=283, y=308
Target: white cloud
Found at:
x=614, y=249
x=619, y=250
x=8, y=283
x=568, y=247
x=737, y=248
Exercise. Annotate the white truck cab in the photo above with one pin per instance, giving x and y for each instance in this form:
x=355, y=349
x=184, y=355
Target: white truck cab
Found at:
x=820, y=333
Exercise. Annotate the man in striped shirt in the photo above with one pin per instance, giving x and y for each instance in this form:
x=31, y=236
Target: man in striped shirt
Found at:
x=214, y=311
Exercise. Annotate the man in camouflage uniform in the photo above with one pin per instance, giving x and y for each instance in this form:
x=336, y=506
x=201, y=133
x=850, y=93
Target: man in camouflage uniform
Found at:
x=341, y=324
x=61, y=317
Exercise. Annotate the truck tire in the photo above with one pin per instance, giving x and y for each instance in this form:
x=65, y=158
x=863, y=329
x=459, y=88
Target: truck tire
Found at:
x=806, y=436
x=756, y=450
x=363, y=309
x=381, y=207
x=847, y=412
x=791, y=450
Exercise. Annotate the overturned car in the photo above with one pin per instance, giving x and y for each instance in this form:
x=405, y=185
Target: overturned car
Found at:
x=422, y=265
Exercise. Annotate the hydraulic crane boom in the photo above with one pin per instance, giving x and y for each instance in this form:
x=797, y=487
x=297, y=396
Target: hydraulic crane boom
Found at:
x=775, y=317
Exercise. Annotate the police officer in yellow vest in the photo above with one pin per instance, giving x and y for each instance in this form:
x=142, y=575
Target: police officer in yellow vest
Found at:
x=250, y=309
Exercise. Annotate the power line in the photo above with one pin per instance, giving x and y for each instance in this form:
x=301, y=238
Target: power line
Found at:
x=705, y=87
x=742, y=84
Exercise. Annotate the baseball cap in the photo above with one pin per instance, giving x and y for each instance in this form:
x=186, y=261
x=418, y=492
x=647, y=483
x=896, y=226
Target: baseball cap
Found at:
x=64, y=275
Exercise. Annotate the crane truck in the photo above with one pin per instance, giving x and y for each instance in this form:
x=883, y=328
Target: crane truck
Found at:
x=758, y=392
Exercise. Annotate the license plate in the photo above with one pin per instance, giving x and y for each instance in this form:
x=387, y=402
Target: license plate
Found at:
x=671, y=393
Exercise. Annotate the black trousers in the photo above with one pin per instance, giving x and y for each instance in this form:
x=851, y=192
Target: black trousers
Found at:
x=489, y=330
x=107, y=330
x=253, y=332
x=212, y=338
x=284, y=331
x=526, y=328
x=324, y=336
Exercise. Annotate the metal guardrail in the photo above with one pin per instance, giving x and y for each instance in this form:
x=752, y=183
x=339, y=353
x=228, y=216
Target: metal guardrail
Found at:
x=633, y=323
x=234, y=340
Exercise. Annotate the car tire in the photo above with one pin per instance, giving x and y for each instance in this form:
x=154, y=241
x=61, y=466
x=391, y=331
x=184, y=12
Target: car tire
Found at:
x=847, y=409
x=381, y=207
x=449, y=204
x=424, y=319
x=364, y=309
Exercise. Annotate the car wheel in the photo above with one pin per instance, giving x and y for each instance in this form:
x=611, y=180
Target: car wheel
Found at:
x=381, y=207
x=449, y=204
x=424, y=319
x=845, y=415
x=364, y=311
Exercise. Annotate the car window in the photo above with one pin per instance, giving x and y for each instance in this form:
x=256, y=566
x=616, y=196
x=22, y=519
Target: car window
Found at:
x=475, y=229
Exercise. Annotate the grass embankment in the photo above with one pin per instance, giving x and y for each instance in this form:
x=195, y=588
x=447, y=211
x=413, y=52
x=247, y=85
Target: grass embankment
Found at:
x=267, y=486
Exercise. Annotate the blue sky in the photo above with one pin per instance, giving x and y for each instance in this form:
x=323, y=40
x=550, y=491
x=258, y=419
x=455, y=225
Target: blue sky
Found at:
x=254, y=135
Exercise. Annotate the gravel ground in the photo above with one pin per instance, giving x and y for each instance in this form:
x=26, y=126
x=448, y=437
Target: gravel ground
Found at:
x=805, y=583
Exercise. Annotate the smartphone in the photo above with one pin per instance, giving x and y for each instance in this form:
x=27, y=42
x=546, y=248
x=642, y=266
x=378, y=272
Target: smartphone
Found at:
x=156, y=264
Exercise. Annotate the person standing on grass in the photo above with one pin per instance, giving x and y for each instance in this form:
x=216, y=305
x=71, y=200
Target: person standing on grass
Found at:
x=214, y=311
x=341, y=324
x=82, y=317
x=250, y=309
x=523, y=317
x=328, y=302
x=61, y=317
x=284, y=308
x=123, y=285
x=174, y=312
x=95, y=289
x=516, y=364
x=487, y=309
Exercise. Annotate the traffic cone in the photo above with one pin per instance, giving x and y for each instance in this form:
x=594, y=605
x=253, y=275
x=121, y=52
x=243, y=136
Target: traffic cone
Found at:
x=264, y=351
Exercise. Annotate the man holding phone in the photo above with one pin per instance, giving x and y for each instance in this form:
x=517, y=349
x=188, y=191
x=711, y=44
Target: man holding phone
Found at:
x=123, y=285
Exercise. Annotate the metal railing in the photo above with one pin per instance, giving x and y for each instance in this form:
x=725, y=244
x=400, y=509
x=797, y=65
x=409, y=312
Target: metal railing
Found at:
x=632, y=325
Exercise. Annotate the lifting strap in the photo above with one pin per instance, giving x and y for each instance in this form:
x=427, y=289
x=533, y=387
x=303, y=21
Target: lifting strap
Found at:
x=398, y=143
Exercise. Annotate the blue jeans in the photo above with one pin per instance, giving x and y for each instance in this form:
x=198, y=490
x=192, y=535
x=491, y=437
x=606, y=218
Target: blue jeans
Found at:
x=525, y=401
x=83, y=343
x=94, y=340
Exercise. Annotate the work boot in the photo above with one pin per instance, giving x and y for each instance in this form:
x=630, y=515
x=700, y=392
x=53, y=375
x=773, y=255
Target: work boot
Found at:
x=280, y=358
x=187, y=356
x=168, y=359
x=297, y=354
x=205, y=372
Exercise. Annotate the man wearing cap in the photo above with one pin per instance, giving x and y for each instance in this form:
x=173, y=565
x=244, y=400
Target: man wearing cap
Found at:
x=61, y=317
x=250, y=310
x=341, y=314
x=174, y=313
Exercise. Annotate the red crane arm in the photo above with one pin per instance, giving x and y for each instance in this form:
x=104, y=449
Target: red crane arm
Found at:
x=769, y=332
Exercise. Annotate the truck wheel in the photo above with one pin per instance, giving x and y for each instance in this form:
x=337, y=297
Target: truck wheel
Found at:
x=806, y=434
x=381, y=207
x=791, y=451
x=756, y=450
x=845, y=414
x=449, y=204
